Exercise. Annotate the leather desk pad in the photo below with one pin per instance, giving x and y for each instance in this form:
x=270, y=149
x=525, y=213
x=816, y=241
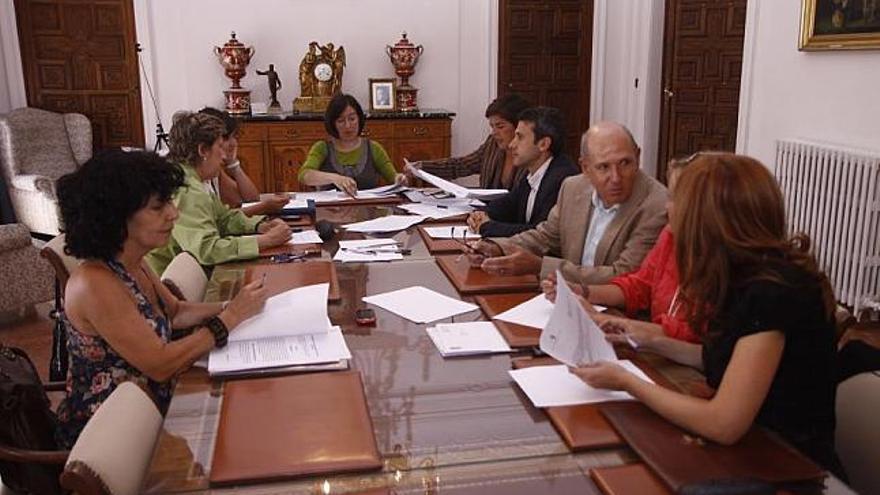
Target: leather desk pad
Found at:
x=285, y=276
x=468, y=280
x=681, y=459
x=295, y=425
x=581, y=427
x=517, y=336
x=435, y=246
x=628, y=479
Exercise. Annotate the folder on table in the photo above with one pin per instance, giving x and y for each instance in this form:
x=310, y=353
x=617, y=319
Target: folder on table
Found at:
x=299, y=425
x=282, y=277
x=468, y=280
x=517, y=336
x=628, y=479
x=581, y=427
x=680, y=458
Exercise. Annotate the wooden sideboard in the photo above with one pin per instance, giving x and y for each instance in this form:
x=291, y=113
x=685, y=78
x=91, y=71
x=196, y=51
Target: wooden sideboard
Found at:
x=271, y=151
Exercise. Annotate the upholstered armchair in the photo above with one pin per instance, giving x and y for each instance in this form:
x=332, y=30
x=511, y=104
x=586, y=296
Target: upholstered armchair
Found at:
x=26, y=278
x=36, y=148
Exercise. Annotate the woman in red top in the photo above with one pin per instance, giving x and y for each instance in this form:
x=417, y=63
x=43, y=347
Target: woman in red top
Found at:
x=653, y=287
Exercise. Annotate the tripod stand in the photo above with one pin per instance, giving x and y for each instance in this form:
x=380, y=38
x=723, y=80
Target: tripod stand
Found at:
x=161, y=138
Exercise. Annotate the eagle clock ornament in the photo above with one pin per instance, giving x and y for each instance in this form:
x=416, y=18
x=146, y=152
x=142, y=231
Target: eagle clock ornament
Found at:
x=320, y=77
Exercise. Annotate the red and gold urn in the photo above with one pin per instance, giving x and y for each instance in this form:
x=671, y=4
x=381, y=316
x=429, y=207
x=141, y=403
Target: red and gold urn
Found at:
x=234, y=57
x=404, y=57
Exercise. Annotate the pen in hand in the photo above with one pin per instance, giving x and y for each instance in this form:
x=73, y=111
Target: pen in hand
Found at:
x=263, y=281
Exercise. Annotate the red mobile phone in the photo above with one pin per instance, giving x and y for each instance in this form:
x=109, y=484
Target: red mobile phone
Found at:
x=365, y=317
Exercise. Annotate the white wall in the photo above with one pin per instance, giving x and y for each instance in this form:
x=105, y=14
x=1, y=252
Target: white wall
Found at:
x=12, y=93
x=456, y=71
x=827, y=96
x=627, y=46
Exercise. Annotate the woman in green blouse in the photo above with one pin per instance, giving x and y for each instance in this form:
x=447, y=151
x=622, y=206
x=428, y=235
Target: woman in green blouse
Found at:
x=347, y=160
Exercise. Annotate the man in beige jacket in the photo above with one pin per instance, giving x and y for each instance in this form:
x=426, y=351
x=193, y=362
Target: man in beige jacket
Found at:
x=604, y=222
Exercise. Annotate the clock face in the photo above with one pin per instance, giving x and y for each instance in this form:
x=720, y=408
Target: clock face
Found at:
x=323, y=72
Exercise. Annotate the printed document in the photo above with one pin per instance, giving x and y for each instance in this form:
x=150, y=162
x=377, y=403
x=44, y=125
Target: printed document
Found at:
x=420, y=304
x=467, y=339
x=435, y=211
x=551, y=386
x=570, y=335
x=533, y=313
x=367, y=250
x=315, y=348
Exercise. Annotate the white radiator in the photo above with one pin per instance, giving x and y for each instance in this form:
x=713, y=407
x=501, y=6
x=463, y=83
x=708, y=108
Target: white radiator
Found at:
x=832, y=194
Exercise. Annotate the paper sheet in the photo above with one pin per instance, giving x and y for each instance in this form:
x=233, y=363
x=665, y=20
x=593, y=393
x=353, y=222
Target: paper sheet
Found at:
x=420, y=304
x=451, y=232
x=550, y=386
x=306, y=237
x=459, y=191
x=533, y=313
x=390, y=223
x=570, y=335
x=367, y=250
x=434, y=211
x=295, y=312
x=467, y=339
x=316, y=348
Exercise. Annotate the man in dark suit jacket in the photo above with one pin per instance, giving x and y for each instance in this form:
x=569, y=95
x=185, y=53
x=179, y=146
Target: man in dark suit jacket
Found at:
x=536, y=148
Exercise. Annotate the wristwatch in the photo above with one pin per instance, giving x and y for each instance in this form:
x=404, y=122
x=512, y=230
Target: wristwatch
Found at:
x=218, y=330
x=234, y=165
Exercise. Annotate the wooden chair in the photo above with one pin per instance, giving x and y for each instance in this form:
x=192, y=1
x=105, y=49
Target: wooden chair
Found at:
x=62, y=263
x=113, y=451
x=185, y=278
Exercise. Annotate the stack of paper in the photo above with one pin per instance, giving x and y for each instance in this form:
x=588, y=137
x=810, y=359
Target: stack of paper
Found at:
x=459, y=191
x=440, y=198
x=390, y=223
x=435, y=211
x=570, y=335
x=552, y=386
x=305, y=237
x=420, y=304
x=367, y=250
x=451, y=232
x=292, y=329
x=467, y=339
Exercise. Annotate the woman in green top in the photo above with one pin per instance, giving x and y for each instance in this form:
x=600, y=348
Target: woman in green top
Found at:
x=344, y=159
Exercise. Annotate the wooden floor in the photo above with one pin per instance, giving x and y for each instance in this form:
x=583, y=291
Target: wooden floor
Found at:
x=33, y=334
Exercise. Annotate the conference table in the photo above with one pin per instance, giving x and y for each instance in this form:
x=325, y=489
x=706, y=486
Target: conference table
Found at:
x=452, y=426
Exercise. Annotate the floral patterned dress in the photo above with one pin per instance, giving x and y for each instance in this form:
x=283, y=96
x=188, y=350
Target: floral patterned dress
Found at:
x=96, y=369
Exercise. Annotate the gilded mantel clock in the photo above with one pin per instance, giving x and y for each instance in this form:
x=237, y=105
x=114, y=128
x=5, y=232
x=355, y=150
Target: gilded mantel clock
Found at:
x=320, y=77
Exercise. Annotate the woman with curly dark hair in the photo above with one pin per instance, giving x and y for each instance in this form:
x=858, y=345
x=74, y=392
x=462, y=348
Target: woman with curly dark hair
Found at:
x=208, y=229
x=764, y=310
x=117, y=314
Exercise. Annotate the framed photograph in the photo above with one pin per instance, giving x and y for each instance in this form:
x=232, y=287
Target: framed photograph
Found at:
x=382, y=95
x=840, y=25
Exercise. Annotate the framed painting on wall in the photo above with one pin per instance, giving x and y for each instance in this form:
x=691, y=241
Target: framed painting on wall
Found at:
x=840, y=25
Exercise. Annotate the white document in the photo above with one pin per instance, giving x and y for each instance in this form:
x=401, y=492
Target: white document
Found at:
x=459, y=191
x=297, y=202
x=367, y=250
x=467, y=339
x=434, y=211
x=298, y=311
x=533, y=313
x=461, y=232
x=570, y=335
x=390, y=223
x=420, y=304
x=325, y=347
x=306, y=237
x=550, y=386
x=383, y=190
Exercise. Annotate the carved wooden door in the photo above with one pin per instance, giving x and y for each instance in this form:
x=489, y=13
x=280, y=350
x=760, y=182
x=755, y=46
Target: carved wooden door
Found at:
x=702, y=63
x=79, y=56
x=545, y=55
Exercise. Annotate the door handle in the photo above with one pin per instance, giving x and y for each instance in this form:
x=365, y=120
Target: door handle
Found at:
x=668, y=93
